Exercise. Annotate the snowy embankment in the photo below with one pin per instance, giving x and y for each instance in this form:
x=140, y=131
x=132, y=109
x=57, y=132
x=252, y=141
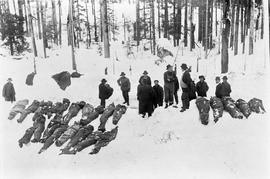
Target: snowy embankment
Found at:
x=169, y=144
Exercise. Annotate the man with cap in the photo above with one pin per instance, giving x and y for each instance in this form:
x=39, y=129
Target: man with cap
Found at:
x=124, y=83
x=8, y=91
x=185, y=83
x=169, y=85
x=159, y=94
x=105, y=91
x=226, y=87
x=202, y=87
x=218, y=92
x=145, y=77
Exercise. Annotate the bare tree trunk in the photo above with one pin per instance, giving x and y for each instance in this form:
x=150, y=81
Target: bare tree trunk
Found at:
x=225, y=37
x=38, y=19
x=236, y=28
x=95, y=20
x=206, y=30
x=105, y=28
x=262, y=23
x=251, y=28
x=245, y=30
x=144, y=20
x=20, y=8
x=87, y=27
x=178, y=22
x=14, y=7
x=153, y=26
x=43, y=22
x=55, y=35
x=185, y=24
x=26, y=18
x=242, y=24
x=192, y=28
x=60, y=21
x=138, y=27
x=166, y=19
x=71, y=26
x=159, y=29
x=216, y=17
x=101, y=24
x=174, y=24
x=232, y=25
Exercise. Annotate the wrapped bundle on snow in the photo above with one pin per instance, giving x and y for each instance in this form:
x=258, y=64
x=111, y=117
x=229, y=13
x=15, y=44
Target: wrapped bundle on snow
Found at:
x=62, y=79
x=118, y=112
x=30, y=78
x=92, y=116
x=87, y=110
x=105, y=116
x=203, y=106
x=244, y=107
x=73, y=111
x=80, y=136
x=60, y=107
x=256, y=105
x=230, y=107
x=70, y=132
x=75, y=75
x=52, y=126
x=56, y=134
x=30, y=109
x=104, y=139
x=36, y=130
x=217, y=107
x=18, y=108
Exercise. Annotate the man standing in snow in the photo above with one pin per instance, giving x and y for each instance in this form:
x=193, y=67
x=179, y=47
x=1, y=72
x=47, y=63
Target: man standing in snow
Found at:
x=176, y=89
x=185, y=83
x=8, y=91
x=124, y=83
x=218, y=92
x=226, y=87
x=105, y=91
x=145, y=77
x=169, y=82
x=146, y=98
x=202, y=87
x=159, y=94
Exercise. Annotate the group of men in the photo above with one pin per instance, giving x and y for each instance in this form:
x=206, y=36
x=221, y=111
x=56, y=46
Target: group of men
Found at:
x=151, y=97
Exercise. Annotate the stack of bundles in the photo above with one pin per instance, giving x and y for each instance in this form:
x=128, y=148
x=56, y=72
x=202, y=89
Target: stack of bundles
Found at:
x=217, y=107
x=118, y=112
x=105, y=116
x=69, y=133
x=230, y=107
x=104, y=139
x=256, y=105
x=81, y=135
x=203, y=106
x=36, y=130
x=73, y=111
x=30, y=78
x=92, y=116
x=46, y=107
x=244, y=107
x=18, y=108
x=60, y=107
x=52, y=126
x=30, y=109
x=62, y=79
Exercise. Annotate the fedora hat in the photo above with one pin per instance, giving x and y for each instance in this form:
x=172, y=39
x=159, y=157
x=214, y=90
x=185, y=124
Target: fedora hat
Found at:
x=122, y=74
x=184, y=66
x=145, y=72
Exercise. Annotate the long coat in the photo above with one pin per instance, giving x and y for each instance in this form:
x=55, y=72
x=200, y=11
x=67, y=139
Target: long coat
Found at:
x=159, y=94
x=9, y=92
x=218, y=92
x=124, y=83
x=147, y=78
x=146, y=97
x=190, y=86
x=226, y=89
x=105, y=91
x=202, y=88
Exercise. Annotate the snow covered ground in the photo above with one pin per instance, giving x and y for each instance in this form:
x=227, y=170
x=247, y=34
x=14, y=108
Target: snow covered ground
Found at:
x=169, y=144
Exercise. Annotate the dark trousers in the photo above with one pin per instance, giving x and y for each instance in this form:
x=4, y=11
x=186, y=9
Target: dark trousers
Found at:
x=103, y=102
x=185, y=100
x=169, y=92
x=126, y=96
x=176, y=97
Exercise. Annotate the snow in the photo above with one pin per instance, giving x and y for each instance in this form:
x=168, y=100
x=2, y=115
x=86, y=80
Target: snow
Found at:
x=169, y=144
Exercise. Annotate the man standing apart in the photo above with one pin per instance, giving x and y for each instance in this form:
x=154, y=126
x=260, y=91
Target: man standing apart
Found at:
x=8, y=91
x=185, y=83
x=124, y=83
x=105, y=92
x=169, y=83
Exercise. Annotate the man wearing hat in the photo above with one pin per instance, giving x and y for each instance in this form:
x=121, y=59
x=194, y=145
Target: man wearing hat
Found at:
x=124, y=83
x=159, y=94
x=169, y=85
x=226, y=87
x=202, y=87
x=146, y=77
x=8, y=91
x=218, y=92
x=105, y=91
x=186, y=84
